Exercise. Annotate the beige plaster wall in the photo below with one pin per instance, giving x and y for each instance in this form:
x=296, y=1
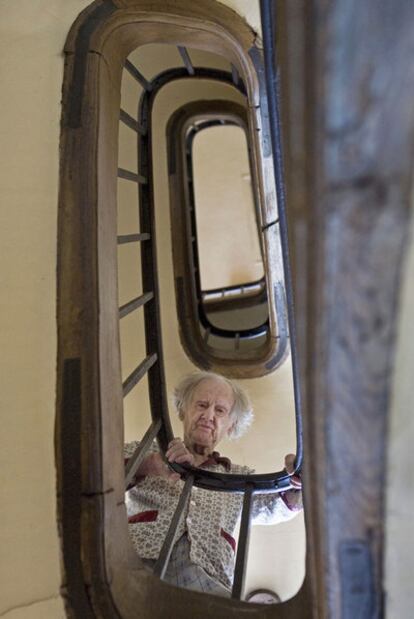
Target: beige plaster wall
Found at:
x=249, y=9
x=224, y=199
x=399, y=561
x=32, y=34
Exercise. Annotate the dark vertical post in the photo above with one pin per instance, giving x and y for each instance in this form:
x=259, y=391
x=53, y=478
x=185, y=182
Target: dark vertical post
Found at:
x=347, y=94
x=165, y=553
x=186, y=59
x=139, y=454
x=267, y=9
x=152, y=312
x=243, y=545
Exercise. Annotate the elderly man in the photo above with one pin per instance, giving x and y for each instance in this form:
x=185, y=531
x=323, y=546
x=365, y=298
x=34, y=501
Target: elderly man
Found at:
x=210, y=408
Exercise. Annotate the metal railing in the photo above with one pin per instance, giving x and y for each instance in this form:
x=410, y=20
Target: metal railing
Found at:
x=249, y=333
x=152, y=365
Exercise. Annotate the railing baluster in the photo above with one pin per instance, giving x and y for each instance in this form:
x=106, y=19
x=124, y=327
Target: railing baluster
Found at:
x=165, y=553
x=132, y=238
x=137, y=75
x=129, y=307
x=140, y=452
x=237, y=340
x=133, y=124
x=138, y=373
x=247, y=287
x=132, y=176
x=158, y=426
x=243, y=545
x=186, y=59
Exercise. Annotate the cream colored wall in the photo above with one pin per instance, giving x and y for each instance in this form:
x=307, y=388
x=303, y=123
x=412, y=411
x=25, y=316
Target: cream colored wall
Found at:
x=249, y=9
x=399, y=559
x=224, y=199
x=32, y=34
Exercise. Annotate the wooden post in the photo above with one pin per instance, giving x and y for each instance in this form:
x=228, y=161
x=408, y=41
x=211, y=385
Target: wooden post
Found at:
x=347, y=97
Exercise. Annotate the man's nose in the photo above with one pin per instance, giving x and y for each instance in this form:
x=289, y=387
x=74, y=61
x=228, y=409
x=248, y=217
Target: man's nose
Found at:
x=209, y=413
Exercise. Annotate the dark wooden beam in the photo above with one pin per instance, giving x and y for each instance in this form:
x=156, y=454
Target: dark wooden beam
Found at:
x=132, y=176
x=129, y=307
x=133, y=238
x=186, y=59
x=235, y=75
x=348, y=119
x=140, y=371
x=133, y=124
x=132, y=70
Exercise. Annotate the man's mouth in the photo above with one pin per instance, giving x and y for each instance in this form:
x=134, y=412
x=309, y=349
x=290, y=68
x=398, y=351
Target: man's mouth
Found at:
x=204, y=427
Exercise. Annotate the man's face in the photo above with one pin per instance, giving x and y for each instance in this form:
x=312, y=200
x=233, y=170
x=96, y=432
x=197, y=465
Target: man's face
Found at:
x=207, y=418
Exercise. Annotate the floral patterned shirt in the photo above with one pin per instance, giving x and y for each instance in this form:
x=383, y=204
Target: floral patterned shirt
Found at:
x=209, y=521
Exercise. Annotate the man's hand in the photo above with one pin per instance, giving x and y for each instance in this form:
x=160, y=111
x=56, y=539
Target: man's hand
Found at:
x=178, y=452
x=154, y=465
x=290, y=467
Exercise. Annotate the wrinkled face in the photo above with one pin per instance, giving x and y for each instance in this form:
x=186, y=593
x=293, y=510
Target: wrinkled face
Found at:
x=207, y=418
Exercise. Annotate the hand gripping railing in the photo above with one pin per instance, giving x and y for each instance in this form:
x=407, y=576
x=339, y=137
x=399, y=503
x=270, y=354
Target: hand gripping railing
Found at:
x=248, y=485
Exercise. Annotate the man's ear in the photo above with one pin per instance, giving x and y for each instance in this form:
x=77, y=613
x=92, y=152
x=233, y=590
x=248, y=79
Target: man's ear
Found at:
x=231, y=428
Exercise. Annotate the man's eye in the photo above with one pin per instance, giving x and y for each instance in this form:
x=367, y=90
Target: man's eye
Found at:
x=220, y=411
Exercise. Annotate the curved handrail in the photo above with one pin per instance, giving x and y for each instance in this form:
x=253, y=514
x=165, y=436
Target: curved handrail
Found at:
x=242, y=334
x=230, y=482
x=267, y=18
x=270, y=482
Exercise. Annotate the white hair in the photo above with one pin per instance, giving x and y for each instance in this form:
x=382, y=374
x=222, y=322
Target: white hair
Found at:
x=241, y=411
